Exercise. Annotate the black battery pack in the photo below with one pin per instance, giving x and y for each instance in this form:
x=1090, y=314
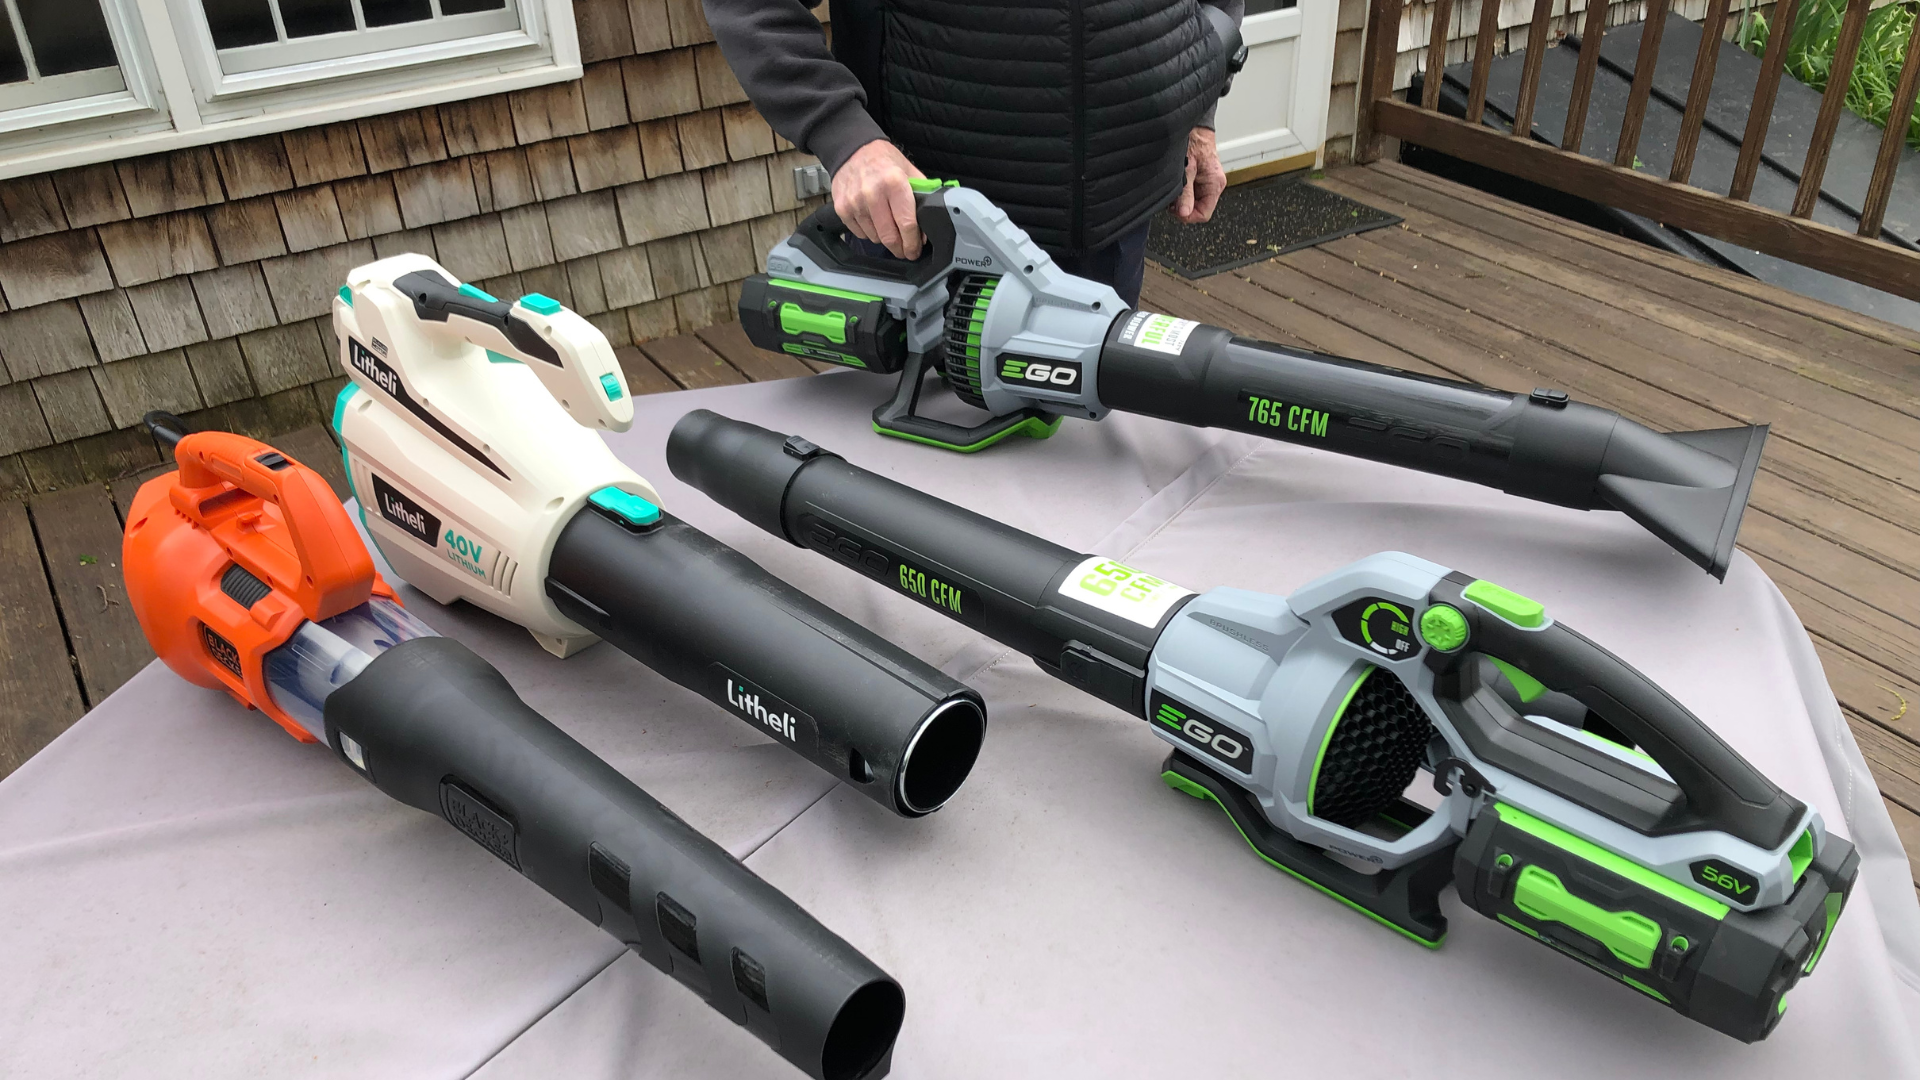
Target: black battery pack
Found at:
x=818, y=322
x=1725, y=968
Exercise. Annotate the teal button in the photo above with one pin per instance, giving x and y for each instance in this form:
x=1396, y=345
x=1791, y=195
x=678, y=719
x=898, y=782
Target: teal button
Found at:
x=625, y=503
x=347, y=295
x=499, y=358
x=539, y=304
x=612, y=386
x=477, y=294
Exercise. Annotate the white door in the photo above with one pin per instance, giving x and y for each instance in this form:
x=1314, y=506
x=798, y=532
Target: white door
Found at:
x=1278, y=107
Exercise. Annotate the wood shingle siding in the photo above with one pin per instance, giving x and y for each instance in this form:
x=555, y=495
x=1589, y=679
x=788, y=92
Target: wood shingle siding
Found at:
x=201, y=280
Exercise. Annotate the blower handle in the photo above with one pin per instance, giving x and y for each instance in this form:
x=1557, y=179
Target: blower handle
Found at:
x=1720, y=787
x=435, y=298
x=824, y=238
x=320, y=564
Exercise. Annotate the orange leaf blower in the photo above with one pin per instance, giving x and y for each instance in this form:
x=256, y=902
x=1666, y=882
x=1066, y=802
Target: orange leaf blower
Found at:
x=247, y=575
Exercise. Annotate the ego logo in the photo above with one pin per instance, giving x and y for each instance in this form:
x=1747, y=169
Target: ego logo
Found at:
x=1725, y=880
x=1053, y=374
x=1203, y=733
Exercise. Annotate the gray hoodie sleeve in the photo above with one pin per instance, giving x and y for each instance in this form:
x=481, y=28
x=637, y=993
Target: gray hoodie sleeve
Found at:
x=780, y=56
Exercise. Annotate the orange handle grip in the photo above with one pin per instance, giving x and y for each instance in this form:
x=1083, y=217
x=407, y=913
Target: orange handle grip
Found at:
x=292, y=533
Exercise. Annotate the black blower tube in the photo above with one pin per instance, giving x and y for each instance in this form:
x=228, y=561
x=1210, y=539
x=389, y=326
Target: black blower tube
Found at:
x=1689, y=488
x=997, y=579
x=712, y=620
x=438, y=728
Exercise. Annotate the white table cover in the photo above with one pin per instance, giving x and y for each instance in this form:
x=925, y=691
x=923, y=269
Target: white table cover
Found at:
x=185, y=891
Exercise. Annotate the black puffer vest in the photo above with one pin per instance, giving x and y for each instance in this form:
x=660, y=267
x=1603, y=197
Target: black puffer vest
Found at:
x=1072, y=115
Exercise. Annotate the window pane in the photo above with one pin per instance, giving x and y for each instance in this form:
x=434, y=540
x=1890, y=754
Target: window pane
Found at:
x=67, y=35
x=307, y=18
x=393, y=12
x=467, y=7
x=239, y=22
x=13, y=66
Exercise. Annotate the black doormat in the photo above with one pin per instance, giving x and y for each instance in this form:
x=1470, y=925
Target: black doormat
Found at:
x=1258, y=221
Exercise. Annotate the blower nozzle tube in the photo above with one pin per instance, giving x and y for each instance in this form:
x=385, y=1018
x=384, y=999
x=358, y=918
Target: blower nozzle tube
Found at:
x=438, y=728
x=712, y=620
x=992, y=577
x=1689, y=488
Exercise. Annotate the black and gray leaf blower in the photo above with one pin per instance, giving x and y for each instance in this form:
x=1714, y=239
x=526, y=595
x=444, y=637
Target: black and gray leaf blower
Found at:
x=1011, y=333
x=1579, y=803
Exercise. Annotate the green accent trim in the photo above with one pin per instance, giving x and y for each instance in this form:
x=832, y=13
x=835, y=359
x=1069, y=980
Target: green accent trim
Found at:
x=928, y=185
x=1833, y=903
x=1509, y=605
x=831, y=325
x=1503, y=860
x=1589, y=961
x=1679, y=943
x=479, y=294
x=347, y=295
x=1443, y=627
x=340, y=403
x=1628, y=935
x=612, y=386
x=823, y=290
x=1645, y=989
x=499, y=358
x=1183, y=784
x=821, y=353
x=1782, y=1007
x=1801, y=855
x=1529, y=687
x=1607, y=860
x=635, y=509
x=1326, y=740
x=541, y=304
x=1033, y=428
x=1180, y=783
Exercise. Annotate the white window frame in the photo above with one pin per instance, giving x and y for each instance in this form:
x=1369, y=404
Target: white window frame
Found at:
x=177, y=95
x=215, y=84
x=80, y=99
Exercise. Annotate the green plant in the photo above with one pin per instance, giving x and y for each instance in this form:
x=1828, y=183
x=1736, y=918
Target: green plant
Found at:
x=1814, y=38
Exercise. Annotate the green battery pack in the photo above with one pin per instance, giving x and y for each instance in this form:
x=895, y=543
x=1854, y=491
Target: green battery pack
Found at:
x=818, y=322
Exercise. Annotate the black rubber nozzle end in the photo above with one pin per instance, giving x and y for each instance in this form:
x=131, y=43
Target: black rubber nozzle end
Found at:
x=861, y=1038
x=1689, y=488
x=741, y=466
x=166, y=428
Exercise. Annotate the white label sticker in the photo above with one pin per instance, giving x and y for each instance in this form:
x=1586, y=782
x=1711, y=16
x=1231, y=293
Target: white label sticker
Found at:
x=1122, y=590
x=1161, y=333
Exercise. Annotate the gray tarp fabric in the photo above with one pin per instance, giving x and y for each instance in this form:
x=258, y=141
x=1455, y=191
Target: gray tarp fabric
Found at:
x=185, y=891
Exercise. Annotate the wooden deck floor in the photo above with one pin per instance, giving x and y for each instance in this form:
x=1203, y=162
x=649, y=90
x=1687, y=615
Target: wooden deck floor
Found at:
x=1469, y=287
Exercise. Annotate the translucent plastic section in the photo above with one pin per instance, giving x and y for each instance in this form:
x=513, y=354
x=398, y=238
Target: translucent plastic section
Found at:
x=322, y=657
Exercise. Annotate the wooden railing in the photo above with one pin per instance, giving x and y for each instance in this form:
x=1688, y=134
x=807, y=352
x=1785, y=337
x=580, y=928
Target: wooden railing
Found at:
x=1860, y=256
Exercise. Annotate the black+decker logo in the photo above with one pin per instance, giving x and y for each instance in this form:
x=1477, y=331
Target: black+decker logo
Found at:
x=482, y=823
x=220, y=649
x=418, y=522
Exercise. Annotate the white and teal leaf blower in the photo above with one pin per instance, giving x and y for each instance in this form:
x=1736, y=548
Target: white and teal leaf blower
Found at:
x=471, y=436
x=1580, y=803
x=1016, y=336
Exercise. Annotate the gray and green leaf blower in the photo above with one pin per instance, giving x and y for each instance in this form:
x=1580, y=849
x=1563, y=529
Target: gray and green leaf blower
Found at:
x=1581, y=804
x=1013, y=334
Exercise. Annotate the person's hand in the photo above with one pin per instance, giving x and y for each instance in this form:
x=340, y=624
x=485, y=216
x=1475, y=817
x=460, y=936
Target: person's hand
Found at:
x=874, y=201
x=1205, y=179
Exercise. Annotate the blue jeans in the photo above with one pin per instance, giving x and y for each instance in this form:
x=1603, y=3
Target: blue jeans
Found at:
x=1121, y=264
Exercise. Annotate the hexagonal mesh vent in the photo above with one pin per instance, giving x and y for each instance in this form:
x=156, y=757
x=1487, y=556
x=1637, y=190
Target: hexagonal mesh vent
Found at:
x=1377, y=746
